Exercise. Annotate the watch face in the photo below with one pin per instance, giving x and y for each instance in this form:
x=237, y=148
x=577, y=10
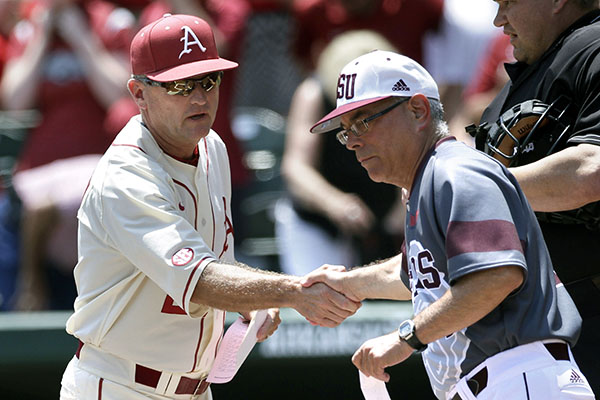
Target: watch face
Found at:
x=405, y=329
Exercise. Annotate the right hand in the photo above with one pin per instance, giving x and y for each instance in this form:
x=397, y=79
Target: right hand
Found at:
x=334, y=276
x=321, y=305
x=375, y=355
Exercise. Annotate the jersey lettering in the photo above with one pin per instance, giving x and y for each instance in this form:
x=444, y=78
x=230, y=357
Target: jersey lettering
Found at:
x=345, y=88
x=429, y=276
x=422, y=272
x=187, y=43
x=426, y=268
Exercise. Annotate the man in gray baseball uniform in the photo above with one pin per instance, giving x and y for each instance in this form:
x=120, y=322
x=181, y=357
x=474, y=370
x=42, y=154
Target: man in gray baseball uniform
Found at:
x=156, y=269
x=490, y=316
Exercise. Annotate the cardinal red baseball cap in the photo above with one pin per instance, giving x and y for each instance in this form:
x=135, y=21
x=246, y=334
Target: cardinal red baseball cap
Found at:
x=176, y=47
x=375, y=76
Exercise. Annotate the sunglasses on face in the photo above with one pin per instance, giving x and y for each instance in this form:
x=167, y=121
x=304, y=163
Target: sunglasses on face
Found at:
x=184, y=87
x=361, y=127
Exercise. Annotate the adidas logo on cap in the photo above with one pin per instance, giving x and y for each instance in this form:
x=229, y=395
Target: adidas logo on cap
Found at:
x=401, y=86
x=372, y=77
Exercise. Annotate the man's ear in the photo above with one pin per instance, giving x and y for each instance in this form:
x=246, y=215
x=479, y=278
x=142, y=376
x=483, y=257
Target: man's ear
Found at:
x=136, y=89
x=419, y=106
x=557, y=5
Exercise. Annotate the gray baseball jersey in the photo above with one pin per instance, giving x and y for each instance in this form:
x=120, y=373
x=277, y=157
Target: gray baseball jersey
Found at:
x=148, y=226
x=467, y=213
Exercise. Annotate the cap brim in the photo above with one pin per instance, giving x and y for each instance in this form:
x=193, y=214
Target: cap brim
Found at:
x=331, y=121
x=192, y=69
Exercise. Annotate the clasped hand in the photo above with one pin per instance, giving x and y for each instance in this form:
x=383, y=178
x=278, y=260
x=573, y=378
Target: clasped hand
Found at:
x=375, y=354
x=330, y=305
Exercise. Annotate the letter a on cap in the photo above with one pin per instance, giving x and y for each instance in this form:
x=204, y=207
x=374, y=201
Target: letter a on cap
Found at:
x=187, y=31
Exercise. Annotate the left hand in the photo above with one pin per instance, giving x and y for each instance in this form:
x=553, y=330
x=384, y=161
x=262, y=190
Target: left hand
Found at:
x=269, y=326
x=375, y=355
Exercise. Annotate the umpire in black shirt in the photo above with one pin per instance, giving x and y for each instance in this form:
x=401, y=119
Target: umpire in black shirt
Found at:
x=556, y=158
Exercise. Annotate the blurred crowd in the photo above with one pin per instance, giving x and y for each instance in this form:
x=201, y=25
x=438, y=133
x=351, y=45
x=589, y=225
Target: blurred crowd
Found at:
x=300, y=200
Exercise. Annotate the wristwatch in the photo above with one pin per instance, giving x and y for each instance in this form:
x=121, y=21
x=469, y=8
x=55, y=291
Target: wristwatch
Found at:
x=406, y=331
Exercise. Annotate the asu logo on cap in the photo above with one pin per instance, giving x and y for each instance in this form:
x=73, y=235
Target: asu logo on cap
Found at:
x=375, y=76
x=176, y=47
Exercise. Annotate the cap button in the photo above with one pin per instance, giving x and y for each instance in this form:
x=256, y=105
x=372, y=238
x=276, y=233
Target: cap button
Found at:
x=166, y=15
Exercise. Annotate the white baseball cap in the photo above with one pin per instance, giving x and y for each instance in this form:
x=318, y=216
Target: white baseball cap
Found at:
x=376, y=76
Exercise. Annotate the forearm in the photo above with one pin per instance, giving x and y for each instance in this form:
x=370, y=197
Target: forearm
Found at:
x=378, y=281
x=309, y=187
x=303, y=151
x=241, y=288
x=19, y=85
x=563, y=181
x=469, y=300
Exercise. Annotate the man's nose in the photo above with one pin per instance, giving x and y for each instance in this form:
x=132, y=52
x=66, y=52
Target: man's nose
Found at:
x=353, y=142
x=198, y=95
x=500, y=19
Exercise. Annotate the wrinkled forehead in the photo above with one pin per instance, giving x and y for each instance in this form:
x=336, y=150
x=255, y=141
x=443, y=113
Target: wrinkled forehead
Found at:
x=362, y=112
x=352, y=116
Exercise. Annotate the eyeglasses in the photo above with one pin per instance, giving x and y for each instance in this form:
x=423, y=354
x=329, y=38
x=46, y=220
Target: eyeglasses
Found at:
x=185, y=86
x=361, y=127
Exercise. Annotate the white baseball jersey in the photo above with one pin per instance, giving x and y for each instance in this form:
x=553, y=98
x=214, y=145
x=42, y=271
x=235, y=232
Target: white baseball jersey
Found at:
x=148, y=226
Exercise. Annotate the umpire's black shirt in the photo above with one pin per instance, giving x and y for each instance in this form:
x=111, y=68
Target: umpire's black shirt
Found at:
x=570, y=67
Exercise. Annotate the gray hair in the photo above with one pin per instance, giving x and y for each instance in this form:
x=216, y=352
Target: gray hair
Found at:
x=437, y=114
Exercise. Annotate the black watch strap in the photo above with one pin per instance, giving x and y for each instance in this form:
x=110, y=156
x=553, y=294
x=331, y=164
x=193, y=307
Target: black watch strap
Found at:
x=415, y=343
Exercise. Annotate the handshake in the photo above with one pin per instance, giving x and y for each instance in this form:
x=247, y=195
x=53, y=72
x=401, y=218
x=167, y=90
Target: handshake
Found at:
x=330, y=294
x=333, y=294
x=328, y=297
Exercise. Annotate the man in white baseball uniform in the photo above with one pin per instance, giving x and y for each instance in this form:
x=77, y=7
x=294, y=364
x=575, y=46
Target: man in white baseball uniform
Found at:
x=156, y=270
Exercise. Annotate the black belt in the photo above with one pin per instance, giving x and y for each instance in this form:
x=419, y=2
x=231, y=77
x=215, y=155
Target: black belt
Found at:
x=150, y=377
x=479, y=381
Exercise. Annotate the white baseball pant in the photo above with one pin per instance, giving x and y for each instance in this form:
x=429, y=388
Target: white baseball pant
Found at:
x=95, y=375
x=535, y=371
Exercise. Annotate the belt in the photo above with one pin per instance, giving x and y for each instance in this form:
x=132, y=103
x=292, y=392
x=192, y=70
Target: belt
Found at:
x=150, y=377
x=479, y=381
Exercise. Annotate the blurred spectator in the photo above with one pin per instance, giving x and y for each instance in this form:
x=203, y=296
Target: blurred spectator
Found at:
x=403, y=22
x=9, y=202
x=336, y=214
x=487, y=80
x=67, y=59
x=9, y=15
x=453, y=52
